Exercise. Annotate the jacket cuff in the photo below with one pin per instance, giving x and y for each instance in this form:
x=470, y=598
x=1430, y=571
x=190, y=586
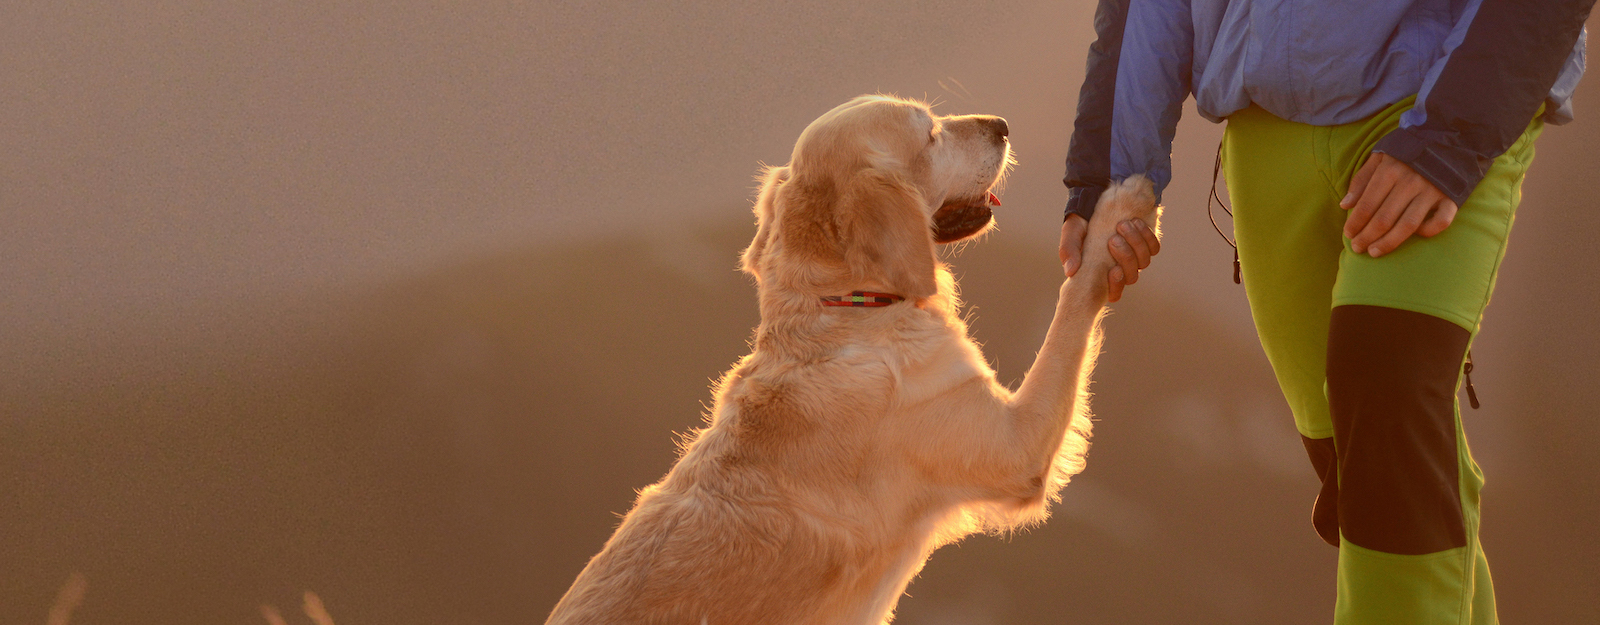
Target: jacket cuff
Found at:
x=1456, y=171
x=1081, y=201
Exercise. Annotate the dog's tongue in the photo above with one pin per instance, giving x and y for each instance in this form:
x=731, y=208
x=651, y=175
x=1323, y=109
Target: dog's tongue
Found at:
x=994, y=199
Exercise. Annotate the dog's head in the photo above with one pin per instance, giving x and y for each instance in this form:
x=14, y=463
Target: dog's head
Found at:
x=871, y=186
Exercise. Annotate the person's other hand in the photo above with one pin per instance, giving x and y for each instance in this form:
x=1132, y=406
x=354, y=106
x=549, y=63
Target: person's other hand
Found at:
x=1388, y=202
x=1131, y=247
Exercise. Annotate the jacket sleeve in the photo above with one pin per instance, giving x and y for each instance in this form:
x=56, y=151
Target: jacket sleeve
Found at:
x=1138, y=76
x=1502, y=61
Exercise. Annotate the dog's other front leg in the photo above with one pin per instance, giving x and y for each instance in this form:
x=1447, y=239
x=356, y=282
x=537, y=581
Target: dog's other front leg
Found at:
x=1050, y=411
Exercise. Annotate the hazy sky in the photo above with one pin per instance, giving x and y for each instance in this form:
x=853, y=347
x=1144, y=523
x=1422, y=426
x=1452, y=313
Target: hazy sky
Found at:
x=164, y=155
x=162, y=158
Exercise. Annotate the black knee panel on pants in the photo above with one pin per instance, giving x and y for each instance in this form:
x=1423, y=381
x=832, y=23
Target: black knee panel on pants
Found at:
x=1391, y=391
x=1325, y=514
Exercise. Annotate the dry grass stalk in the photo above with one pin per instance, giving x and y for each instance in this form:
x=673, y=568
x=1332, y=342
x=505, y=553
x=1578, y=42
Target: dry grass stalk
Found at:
x=270, y=612
x=315, y=609
x=68, y=599
x=76, y=586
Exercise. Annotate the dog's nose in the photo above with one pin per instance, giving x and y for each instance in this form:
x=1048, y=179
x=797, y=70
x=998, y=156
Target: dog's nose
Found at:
x=998, y=126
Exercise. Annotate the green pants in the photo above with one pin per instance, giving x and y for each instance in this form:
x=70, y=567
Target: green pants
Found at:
x=1368, y=353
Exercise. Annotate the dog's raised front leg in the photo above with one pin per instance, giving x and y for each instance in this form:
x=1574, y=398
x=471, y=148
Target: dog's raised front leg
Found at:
x=1050, y=410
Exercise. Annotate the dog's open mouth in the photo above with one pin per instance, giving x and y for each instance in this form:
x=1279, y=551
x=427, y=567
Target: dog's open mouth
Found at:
x=962, y=218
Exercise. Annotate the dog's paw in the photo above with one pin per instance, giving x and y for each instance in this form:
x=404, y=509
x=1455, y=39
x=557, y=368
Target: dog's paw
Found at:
x=1133, y=198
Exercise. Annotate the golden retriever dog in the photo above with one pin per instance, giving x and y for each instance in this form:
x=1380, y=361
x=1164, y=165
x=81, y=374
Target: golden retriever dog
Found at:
x=863, y=431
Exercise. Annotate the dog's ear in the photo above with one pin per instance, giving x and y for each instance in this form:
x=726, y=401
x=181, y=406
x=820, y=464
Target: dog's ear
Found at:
x=886, y=235
x=771, y=179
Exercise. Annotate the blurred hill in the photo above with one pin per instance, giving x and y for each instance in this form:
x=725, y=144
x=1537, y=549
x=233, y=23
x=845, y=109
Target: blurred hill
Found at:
x=453, y=448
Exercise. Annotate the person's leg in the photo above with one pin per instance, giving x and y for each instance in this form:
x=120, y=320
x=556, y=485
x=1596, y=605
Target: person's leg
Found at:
x=1399, y=331
x=1287, y=223
x=1400, y=482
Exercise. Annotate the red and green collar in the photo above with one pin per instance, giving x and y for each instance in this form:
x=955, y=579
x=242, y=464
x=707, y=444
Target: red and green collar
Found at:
x=862, y=298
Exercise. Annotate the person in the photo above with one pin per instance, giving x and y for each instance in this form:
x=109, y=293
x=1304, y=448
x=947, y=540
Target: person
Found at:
x=1374, y=154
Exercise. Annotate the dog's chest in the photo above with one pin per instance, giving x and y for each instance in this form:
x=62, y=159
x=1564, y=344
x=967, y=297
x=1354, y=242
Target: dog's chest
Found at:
x=940, y=366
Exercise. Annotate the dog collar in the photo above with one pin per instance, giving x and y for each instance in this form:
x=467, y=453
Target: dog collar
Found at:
x=862, y=298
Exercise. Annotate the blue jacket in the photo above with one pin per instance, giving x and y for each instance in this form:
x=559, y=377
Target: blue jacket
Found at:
x=1480, y=70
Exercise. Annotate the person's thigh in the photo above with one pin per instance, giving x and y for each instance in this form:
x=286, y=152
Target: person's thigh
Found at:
x=1287, y=223
x=1452, y=274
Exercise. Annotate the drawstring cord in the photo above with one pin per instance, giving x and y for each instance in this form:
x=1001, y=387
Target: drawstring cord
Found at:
x=1216, y=168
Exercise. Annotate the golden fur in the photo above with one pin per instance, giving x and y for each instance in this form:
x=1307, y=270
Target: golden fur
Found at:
x=852, y=442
